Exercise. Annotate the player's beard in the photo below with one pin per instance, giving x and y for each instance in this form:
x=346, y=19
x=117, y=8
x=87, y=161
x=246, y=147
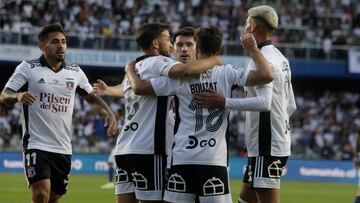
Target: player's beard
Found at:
x=164, y=52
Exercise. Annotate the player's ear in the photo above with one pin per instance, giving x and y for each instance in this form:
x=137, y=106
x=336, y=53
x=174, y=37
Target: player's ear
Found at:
x=155, y=43
x=219, y=51
x=41, y=45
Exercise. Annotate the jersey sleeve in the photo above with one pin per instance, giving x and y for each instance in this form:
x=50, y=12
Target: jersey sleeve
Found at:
x=291, y=105
x=164, y=86
x=19, y=77
x=84, y=87
x=235, y=76
x=262, y=101
x=163, y=65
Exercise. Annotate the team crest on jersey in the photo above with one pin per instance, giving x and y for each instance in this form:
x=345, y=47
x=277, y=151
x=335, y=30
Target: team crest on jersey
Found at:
x=69, y=84
x=31, y=172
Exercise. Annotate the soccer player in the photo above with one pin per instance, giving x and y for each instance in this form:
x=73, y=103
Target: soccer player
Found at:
x=357, y=163
x=200, y=153
x=47, y=88
x=267, y=132
x=185, y=45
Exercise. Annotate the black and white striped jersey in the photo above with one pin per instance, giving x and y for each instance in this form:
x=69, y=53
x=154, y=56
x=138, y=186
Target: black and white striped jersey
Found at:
x=200, y=138
x=144, y=130
x=47, y=123
x=268, y=133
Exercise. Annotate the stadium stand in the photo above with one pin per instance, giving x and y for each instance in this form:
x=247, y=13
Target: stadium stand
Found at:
x=324, y=122
x=306, y=28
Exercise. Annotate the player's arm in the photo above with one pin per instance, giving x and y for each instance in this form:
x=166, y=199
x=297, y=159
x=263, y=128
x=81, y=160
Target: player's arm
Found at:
x=263, y=74
x=194, y=67
x=100, y=88
x=213, y=99
x=102, y=108
x=10, y=97
x=139, y=86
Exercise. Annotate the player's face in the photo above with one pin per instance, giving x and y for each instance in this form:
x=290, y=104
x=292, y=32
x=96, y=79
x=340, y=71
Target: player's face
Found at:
x=185, y=49
x=165, y=46
x=55, y=47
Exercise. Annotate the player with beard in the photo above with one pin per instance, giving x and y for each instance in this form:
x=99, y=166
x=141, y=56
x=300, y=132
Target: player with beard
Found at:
x=47, y=88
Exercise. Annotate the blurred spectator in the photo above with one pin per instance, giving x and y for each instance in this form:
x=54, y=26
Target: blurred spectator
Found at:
x=306, y=22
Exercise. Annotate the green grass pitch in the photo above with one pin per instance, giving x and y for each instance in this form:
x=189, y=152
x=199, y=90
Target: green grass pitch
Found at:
x=87, y=189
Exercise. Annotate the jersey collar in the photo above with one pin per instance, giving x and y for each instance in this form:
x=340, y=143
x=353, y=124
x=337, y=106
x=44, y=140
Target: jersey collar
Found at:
x=143, y=57
x=264, y=43
x=44, y=63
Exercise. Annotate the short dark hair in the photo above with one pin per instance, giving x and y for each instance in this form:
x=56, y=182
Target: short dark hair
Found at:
x=45, y=31
x=146, y=33
x=185, y=31
x=209, y=39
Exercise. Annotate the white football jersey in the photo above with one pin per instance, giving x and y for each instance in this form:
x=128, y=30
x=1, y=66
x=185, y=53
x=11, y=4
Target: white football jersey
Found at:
x=268, y=133
x=47, y=122
x=144, y=130
x=200, y=138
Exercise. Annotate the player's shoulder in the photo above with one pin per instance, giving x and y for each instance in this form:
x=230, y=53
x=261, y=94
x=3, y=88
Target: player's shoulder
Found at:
x=72, y=67
x=163, y=59
x=30, y=64
x=228, y=67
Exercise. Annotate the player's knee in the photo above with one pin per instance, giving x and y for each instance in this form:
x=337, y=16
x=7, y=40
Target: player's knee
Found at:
x=54, y=198
x=248, y=197
x=41, y=196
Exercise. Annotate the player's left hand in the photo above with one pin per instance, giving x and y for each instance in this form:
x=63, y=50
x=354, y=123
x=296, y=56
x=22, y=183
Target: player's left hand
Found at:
x=111, y=124
x=248, y=42
x=210, y=99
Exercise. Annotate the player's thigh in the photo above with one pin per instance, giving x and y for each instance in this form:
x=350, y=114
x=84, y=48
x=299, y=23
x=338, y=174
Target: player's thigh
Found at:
x=265, y=171
x=186, y=182
x=268, y=195
x=126, y=198
x=40, y=188
x=142, y=174
x=149, y=177
x=37, y=167
x=123, y=179
x=247, y=194
x=60, y=165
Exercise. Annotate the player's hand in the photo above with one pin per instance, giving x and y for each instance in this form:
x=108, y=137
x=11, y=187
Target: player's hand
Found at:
x=248, y=42
x=111, y=124
x=130, y=66
x=26, y=98
x=100, y=88
x=210, y=99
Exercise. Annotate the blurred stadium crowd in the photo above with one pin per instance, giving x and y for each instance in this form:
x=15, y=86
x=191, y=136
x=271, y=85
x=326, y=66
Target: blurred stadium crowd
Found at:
x=321, y=23
x=322, y=127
